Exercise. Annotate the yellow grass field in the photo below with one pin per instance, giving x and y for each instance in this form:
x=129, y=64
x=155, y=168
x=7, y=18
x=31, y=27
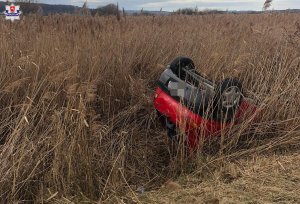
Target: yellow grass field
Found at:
x=78, y=125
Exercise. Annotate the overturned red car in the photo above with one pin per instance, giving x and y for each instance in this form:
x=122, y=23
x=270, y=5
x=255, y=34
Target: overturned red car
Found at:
x=187, y=101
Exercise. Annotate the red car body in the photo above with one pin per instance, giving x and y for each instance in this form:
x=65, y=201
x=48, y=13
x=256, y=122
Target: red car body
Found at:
x=193, y=124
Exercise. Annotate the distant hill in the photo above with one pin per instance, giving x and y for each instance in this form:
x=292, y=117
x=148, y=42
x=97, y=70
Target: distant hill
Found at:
x=51, y=9
x=60, y=9
x=46, y=8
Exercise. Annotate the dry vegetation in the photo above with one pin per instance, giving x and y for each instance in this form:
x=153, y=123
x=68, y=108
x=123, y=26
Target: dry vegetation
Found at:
x=257, y=179
x=77, y=122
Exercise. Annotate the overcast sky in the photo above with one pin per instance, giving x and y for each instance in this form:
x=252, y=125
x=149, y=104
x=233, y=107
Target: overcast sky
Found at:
x=170, y=5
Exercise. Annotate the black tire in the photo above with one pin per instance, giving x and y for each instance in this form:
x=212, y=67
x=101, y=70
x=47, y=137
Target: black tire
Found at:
x=225, y=110
x=180, y=62
x=161, y=119
x=176, y=146
x=171, y=129
x=172, y=137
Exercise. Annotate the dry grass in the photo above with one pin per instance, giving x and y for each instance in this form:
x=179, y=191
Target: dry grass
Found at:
x=77, y=121
x=259, y=179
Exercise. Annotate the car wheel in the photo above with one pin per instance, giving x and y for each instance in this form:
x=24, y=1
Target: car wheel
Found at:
x=179, y=63
x=228, y=97
x=161, y=118
x=177, y=142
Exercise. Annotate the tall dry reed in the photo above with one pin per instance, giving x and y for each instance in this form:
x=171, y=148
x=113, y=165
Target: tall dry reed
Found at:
x=77, y=120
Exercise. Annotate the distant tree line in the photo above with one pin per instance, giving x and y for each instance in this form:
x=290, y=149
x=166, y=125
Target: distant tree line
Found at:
x=195, y=11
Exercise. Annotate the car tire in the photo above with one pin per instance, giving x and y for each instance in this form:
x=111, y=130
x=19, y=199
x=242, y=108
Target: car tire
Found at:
x=228, y=97
x=177, y=142
x=180, y=62
x=161, y=119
